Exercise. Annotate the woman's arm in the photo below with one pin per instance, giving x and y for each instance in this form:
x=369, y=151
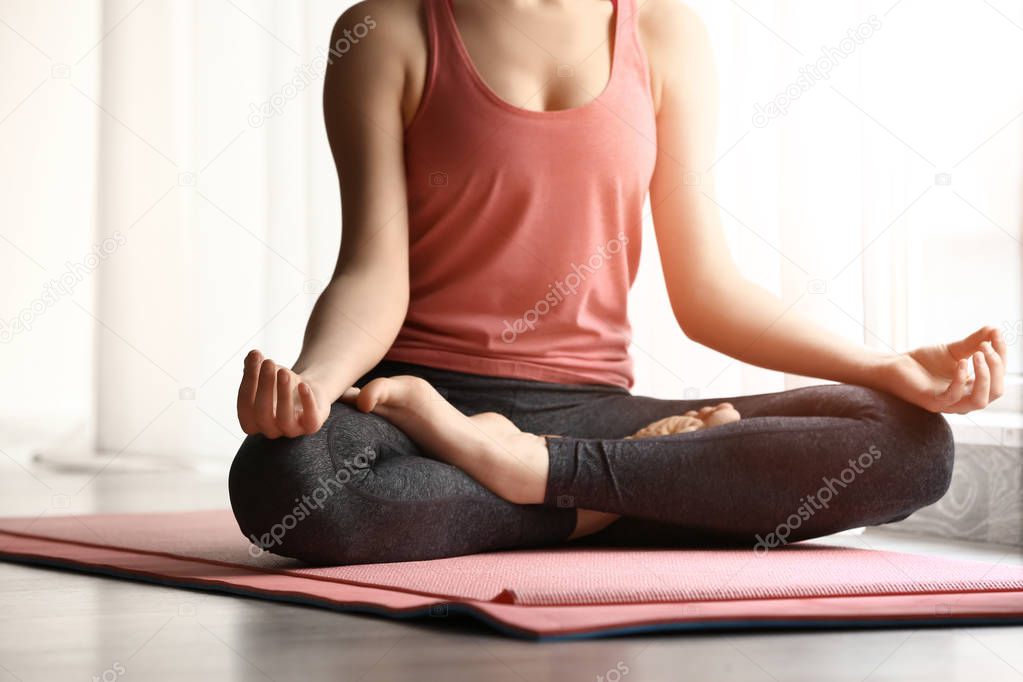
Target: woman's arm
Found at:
x=714, y=303
x=359, y=313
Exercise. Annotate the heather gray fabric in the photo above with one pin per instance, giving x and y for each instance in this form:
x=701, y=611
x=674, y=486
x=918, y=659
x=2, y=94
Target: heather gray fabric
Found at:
x=799, y=464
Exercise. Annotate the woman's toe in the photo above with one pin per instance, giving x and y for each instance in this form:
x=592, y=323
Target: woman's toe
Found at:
x=724, y=414
x=371, y=395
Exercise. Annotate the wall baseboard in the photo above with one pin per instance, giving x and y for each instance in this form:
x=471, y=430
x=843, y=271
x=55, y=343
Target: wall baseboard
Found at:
x=92, y=461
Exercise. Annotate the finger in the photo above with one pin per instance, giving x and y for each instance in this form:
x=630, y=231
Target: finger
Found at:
x=1002, y=348
x=309, y=419
x=962, y=350
x=265, y=399
x=286, y=421
x=247, y=391
x=978, y=397
x=349, y=396
x=996, y=364
x=957, y=389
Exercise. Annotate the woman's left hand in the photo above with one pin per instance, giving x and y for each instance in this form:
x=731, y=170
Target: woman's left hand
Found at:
x=937, y=378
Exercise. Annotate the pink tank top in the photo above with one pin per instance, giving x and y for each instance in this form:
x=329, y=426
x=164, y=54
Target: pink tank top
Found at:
x=525, y=226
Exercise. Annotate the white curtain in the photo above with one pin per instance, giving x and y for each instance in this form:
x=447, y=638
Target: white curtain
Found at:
x=47, y=195
x=884, y=201
x=221, y=178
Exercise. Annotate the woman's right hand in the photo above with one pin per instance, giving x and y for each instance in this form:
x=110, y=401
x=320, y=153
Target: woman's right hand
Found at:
x=275, y=401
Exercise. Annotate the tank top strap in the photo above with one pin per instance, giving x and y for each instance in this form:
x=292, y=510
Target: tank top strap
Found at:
x=440, y=47
x=622, y=15
x=629, y=54
x=447, y=57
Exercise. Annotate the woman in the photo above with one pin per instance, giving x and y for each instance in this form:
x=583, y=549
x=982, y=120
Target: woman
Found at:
x=463, y=383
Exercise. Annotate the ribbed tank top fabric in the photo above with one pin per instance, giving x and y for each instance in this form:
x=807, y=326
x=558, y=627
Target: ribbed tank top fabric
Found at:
x=525, y=226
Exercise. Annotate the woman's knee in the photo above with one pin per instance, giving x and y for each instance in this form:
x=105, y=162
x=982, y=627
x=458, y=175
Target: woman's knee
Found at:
x=919, y=446
x=938, y=454
x=293, y=496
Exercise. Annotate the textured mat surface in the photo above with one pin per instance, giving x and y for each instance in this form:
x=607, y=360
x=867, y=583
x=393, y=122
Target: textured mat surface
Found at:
x=548, y=593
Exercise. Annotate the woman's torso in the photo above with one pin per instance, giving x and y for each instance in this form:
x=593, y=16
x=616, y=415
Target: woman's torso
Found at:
x=525, y=226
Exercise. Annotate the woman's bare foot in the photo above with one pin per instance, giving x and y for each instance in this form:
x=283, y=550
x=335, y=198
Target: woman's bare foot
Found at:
x=704, y=418
x=489, y=447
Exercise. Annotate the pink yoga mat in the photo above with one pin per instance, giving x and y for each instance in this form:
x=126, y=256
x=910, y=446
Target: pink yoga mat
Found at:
x=554, y=593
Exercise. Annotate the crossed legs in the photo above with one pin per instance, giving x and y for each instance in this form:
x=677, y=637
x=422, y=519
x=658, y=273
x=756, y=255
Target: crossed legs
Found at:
x=447, y=480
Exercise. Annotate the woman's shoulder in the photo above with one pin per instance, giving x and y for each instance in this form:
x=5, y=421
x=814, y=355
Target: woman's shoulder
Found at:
x=667, y=24
x=393, y=26
x=676, y=43
x=392, y=10
x=378, y=44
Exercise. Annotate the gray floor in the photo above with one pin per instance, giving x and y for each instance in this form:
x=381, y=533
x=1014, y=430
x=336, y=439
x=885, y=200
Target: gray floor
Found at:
x=63, y=626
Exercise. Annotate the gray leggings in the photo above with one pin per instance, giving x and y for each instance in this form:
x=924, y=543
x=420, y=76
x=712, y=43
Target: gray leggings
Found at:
x=799, y=464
